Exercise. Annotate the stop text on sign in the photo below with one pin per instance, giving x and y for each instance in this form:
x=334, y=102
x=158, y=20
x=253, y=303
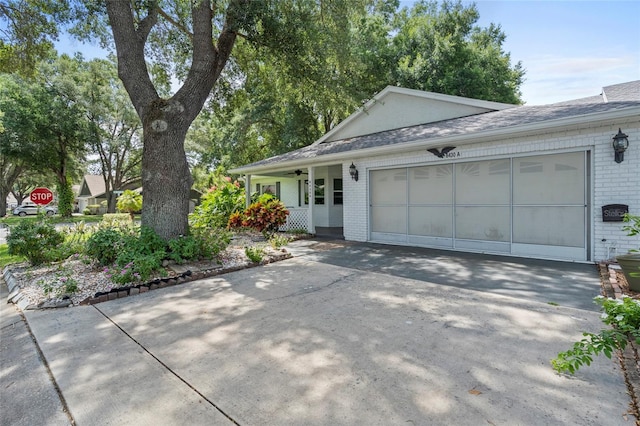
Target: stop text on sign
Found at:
x=41, y=196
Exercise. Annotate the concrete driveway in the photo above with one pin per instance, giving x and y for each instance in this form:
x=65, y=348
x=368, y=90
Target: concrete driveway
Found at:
x=321, y=339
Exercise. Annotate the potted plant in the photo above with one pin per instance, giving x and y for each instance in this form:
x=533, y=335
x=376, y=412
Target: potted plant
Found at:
x=630, y=263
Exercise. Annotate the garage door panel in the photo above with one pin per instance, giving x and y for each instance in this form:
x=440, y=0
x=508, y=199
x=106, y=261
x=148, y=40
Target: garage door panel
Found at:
x=431, y=184
x=389, y=186
x=389, y=219
x=483, y=223
x=551, y=226
x=483, y=182
x=549, y=179
x=431, y=221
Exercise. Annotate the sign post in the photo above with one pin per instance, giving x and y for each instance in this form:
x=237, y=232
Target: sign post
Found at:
x=41, y=196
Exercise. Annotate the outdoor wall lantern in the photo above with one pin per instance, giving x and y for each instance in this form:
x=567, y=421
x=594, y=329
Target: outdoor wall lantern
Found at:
x=353, y=172
x=620, y=145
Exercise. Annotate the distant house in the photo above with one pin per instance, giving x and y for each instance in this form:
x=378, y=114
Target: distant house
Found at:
x=92, y=191
x=464, y=174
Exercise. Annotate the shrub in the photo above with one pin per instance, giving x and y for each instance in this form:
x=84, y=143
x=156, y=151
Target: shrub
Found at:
x=184, y=248
x=223, y=199
x=265, y=217
x=623, y=315
x=211, y=241
x=141, y=253
x=116, y=219
x=235, y=220
x=105, y=245
x=93, y=209
x=86, y=211
x=34, y=240
x=129, y=202
x=201, y=244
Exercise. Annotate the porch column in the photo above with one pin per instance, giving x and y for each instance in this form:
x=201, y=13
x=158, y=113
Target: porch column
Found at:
x=247, y=190
x=312, y=199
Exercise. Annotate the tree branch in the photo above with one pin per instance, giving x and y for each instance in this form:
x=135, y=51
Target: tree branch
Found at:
x=132, y=68
x=175, y=23
x=147, y=23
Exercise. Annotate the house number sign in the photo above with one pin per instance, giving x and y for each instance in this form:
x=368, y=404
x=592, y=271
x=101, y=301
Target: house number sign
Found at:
x=446, y=152
x=614, y=212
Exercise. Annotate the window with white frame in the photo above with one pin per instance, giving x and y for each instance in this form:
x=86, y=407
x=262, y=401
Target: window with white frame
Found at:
x=337, y=192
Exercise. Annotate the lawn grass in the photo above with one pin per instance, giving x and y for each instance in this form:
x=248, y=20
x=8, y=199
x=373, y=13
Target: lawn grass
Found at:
x=6, y=258
x=14, y=220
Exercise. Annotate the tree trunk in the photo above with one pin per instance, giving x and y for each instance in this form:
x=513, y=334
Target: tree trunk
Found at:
x=111, y=202
x=166, y=179
x=3, y=203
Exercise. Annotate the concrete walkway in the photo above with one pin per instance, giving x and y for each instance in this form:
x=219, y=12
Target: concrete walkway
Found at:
x=312, y=341
x=27, y=394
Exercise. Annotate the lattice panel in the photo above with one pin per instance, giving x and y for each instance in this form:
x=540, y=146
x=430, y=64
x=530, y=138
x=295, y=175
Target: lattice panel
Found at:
x=297, y=219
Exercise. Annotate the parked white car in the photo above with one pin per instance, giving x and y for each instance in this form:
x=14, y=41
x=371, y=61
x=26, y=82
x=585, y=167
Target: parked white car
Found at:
x=27, y=209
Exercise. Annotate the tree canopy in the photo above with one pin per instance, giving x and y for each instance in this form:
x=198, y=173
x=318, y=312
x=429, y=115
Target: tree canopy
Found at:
x=271, y=75
x=266, y=105
x=45, y=124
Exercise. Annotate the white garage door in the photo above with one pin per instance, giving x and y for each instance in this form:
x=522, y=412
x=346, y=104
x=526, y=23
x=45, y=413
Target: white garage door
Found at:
x=532, y=206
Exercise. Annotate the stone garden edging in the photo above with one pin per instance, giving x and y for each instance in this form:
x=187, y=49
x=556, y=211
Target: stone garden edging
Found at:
x=630, y=357
x=185, y=276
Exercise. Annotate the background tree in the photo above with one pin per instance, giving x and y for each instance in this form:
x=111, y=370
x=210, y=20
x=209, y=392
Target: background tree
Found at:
x=45, y=124
x=437, y=47
x=28, y=180
x=9, y=172
x=115, y=127
x=30, y=27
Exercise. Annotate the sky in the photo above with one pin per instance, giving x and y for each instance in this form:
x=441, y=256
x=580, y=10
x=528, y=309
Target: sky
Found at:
x=569, y=49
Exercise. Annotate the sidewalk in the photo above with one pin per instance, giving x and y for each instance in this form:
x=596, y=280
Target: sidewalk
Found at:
x=28, y=395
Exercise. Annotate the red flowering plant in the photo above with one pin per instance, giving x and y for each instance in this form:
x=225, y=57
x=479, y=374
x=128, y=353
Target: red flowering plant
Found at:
x=265, y=215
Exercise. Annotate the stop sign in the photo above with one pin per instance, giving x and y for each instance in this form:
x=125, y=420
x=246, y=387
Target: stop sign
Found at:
x=41, y=196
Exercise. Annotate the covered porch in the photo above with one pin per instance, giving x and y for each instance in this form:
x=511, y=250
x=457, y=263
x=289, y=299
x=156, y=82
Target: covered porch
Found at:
x=313, y=196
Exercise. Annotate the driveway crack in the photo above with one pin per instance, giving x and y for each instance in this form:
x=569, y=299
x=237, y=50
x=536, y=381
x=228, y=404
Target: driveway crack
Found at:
x=168, y=368
x=315, y=289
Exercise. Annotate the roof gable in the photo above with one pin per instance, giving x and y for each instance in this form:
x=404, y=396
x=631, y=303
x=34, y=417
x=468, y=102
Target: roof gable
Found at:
x=92, y=186
x=396, y=107
x=622, y=92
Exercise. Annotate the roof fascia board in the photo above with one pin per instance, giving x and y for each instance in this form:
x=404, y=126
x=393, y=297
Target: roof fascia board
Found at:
x=594, y=119
x=453, y=99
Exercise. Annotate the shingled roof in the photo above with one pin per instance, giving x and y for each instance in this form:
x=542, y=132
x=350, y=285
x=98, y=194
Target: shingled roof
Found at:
x=619, y=97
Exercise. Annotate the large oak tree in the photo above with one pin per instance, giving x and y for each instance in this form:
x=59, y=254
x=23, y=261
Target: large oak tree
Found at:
x=202, y=34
